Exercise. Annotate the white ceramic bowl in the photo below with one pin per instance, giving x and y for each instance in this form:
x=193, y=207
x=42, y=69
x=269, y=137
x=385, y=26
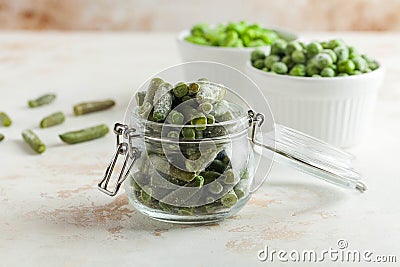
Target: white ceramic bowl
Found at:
x=231, y=56
x=336, y=109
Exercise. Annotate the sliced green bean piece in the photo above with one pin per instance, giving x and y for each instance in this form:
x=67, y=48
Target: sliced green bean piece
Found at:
x=230, y=177
x=188, y=133
x=146, y=193
x=242, y=188
x=199, y=134
x=220, y=108
x=215, y=188
x=186, y=211
x=1, y=137
x=33, y=141
x=151, y=90
x=217, y=166
x=42, y=100
x=214, y=207
x=180, y=90
x=93, y=106
x=163, y=166
x=193, y=88
x=175, y=117
x=210, y=176
x=229, y=199
x=186, y=98
x=200, y=122
x=206, y=107
x=210, y=93
x=85, y=134
x=140, y=96
x=210, y=119
x=5, y=119
x=52, y=120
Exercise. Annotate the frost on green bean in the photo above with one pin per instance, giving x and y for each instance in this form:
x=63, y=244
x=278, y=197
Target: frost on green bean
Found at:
x=162, y=102
x=210, y=93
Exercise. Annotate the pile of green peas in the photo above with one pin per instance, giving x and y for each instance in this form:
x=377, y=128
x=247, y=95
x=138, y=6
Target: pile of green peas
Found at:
x=317, y=59
x=241, y=34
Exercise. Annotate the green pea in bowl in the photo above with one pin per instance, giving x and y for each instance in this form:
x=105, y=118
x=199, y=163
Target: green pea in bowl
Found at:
x=229, y=44
x=330, y=99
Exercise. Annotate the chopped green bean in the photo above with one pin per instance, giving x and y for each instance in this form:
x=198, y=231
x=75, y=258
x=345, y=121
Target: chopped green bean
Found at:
x=162, y=102
x=165, y=167
x=5, y=119
x=88, y=107
x=33, y=141
x=229, y=199
x=230, y=177
x=180, y=90
x=140, y=96
x=206, y=107
x=215, y=187
x=52, y=120
x=188, y=133
x=242, y=188
x=146, y=194
x=210, y=119
x=84, y=134
x=210, y=93
x=42, y=100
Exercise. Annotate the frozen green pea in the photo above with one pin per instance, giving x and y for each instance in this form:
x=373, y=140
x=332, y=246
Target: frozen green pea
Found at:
x=271, y=59
x=257, y=54
x=196, y=40
x=279, y=67
x=298, y=70
x=313, y=49
x=259, y=63
x=341, y=52
x=357, y=72
x=334, y=43
x=287, y=60
x=229, y=199
x=298, y=57
x=360, y=63
x=323, y=60
x=342, y=74
x=346, y=66
x=331, y=53
x=293, y=46
x=312, y=69
x=373, y=65
x=327, y=72
x=278, y=47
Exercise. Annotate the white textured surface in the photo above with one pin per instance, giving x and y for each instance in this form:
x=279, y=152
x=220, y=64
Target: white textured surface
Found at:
x=51, y=213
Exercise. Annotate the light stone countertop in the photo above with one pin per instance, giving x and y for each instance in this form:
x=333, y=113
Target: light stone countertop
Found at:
x=51, y=213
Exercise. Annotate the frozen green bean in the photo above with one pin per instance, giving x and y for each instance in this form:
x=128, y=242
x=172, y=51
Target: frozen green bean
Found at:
x=217, y=166
x=189, y=133
x=229, y=199
x=193, y=88
x=140, y=96
x=146, y=194
x=52, y=120
x=5, y=119
x=206, y=107
x=180, y=90
x=42, y=100
x=230, y=177
x=242, y=188
x=215, y=187
x=210, y=119
x=33, y=141
x=93, y=106
x=84, y=134
x=163, y=166
x=162, y=102
x=210, y=93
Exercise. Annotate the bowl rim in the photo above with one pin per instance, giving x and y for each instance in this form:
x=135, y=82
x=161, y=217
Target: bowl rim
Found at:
x=251, y=68
x=182, y=34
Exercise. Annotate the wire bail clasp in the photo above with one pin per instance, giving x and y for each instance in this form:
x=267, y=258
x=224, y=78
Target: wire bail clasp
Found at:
x=122, y=149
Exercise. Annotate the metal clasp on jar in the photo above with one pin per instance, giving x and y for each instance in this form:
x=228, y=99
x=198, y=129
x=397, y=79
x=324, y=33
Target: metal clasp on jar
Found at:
x=122, y=149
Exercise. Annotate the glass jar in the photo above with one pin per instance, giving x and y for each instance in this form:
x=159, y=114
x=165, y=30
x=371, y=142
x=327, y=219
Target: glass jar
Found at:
x=198, y=173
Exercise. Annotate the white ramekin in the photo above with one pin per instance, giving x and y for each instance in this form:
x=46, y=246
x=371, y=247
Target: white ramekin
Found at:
x=336, y=110
x=231, y=56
